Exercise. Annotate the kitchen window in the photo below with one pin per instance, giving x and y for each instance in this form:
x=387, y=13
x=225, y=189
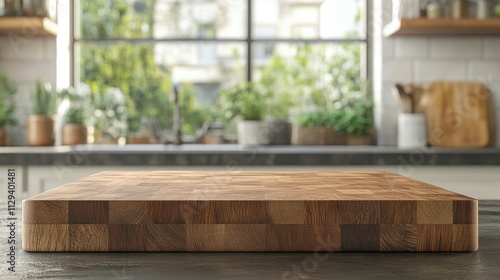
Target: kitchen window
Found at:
x=144, y=47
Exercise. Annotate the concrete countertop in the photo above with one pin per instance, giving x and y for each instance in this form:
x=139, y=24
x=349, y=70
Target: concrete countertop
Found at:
x=482, y=264
x=220, y=155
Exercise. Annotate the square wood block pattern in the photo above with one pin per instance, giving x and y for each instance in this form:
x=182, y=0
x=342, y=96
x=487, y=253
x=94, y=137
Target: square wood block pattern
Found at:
x=249, y=212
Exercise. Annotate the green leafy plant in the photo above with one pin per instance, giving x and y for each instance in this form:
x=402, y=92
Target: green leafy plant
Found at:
x=7, y=106
x=358, y=118
x=75, y=115
x=44, y=100
x=244, y=100
x=315, y=119
x=110, y=113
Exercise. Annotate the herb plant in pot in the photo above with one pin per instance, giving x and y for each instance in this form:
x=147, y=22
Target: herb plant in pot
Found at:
x=279, y=129
x=40, y=125
x=335, y=132
x=74, y=131
x=358, y=122
x=310, y=129
x=109, y=117
x=7, y=107
x=248, y=103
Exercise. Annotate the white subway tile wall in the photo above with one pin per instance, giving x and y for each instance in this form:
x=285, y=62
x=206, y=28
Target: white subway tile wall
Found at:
x=387, y=133
x=456, y=47
x=411, y=47
x=388, y=51
x=397, y=70
x=25, y=60
x=423, y=59
x=388, y=100
x=439, y=69
x=485, y=70
x=491, y=47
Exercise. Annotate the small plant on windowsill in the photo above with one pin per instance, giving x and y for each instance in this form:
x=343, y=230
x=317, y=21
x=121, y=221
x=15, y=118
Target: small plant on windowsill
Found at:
x=74, y=131
x=247, y=103
x=7, y=106
x=109, y=116
x=310, y=129
x=357, y=122
x=40, y=125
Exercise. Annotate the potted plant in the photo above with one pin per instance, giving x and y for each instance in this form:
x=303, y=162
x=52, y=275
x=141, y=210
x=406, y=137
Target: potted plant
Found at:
x=141, y=135
x=40, y=125
x=74, y=131
x=335, y=132
x=248, y=103
x=110, y=116
x=7, y=106
x=310, y=129
x=277, y=125
x=358, y=122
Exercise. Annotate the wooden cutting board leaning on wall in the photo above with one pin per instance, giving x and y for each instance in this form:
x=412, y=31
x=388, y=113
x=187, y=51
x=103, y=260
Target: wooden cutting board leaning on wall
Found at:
x=459, y=115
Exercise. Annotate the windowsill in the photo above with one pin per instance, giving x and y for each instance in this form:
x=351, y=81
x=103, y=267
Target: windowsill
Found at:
x=185, y=155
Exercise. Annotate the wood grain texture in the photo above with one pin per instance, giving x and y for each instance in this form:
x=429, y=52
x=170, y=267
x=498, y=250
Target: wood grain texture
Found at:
x=250, y=212
x=443, y=27
x=88, y=238
x=465, y=212
x=459, y=114
x=46, y=237
x=398, y=237
x=435, y=212
x=128, y=212
x=465, y=238
x=45, y=212
x=432, y=238
x=398, y=212
x=360, y=238
x=127, y=238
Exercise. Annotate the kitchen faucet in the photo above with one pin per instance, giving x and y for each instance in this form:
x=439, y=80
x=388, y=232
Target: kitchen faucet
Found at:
x=177, y=125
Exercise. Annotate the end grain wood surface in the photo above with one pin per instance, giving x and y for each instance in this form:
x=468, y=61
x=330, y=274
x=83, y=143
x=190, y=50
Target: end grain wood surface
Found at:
x=249, y=211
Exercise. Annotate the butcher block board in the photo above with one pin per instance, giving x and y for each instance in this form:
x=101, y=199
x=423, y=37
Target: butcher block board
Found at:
x=249, y=211
x=460, y=115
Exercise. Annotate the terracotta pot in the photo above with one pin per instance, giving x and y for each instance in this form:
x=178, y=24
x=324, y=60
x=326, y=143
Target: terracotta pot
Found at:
x=308, y=135
x=138, y=140
x=74, y=134
x=3, y=137
x=358, y=140
x=40, y=130
x=334, y=138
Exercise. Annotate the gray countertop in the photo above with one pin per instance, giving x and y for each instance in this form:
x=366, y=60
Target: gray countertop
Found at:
x=483, y=264
x=244, y=155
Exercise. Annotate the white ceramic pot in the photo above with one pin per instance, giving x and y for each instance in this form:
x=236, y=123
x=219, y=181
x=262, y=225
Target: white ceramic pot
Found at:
x=412, y=131
x=252, y=133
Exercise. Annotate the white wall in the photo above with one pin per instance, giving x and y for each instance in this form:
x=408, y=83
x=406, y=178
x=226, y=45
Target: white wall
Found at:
x=26, y=58
x=422, y=59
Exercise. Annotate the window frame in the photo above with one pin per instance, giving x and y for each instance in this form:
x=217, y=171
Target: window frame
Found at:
x=248, y=40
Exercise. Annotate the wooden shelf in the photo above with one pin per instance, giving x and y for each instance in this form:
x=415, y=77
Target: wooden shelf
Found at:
x=451, y=27
x=28, y=26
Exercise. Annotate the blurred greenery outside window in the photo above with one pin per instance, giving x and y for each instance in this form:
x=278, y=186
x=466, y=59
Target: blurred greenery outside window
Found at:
x=307, y=54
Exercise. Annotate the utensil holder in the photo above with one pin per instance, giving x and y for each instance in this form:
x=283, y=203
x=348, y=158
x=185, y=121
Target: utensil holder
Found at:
x=411, y=131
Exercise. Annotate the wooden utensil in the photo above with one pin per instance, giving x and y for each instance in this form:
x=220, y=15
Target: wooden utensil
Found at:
x=403, y=98
x=459, y=115
x=249, y=211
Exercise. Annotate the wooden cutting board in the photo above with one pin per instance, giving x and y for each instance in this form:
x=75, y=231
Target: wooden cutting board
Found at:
x=249, y=211
x=459, y=115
